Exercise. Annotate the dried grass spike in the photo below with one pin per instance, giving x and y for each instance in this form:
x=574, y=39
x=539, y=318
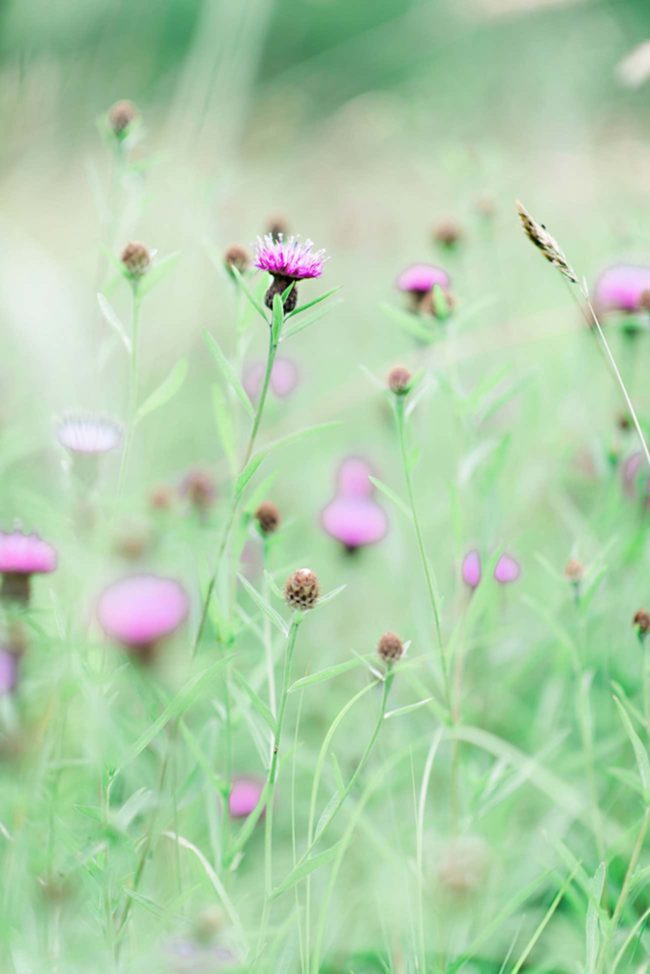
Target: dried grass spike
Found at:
x=539, y=235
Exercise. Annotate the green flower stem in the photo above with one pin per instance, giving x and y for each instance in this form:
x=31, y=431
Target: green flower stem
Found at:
x=232, y=510
x=133, y=385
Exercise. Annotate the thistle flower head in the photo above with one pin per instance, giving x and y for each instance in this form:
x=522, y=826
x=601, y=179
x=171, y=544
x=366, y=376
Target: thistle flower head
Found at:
x=284, y=378
x=198, y=487
x=302, y=589
x=420, y=278
x=136, y=259
x=574, y=571
x=8, y=670
x=399, y=380
x=641, y=622
x=238, y=257
x=622, y=287
x=244, y=795
x=507, y=570
x=471, y=569
x=448, y=234
x=88, y=434
x=390, y=648
x=140, y=610
x=21, y=556
x=268, y=517
x=548, y=245
x=354, y=521
x=120, y=116
x=292, y=259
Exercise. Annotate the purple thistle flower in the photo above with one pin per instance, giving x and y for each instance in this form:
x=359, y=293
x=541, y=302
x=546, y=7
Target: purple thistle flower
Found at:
x=244, y=796
x=353, y=478
x=623, y=287
x=507, y=570
x=353, y=517
x=88, y=434
x=471, y=569
x=8, y=670
x=284, y=378
x=140, y=610
x=288, y=259
x=420, y=278
x=288, y=262
x=21, y=556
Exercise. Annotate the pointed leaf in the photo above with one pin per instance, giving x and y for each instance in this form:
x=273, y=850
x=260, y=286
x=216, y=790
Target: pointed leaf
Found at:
x=262, y=604
x=165, y=391
x=113, y=320
x=392, y=496
x=229, y=373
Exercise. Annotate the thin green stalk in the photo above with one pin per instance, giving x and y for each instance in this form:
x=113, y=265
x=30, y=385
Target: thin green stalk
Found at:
x=273, y=776
x=232, y=510
x=133, y=385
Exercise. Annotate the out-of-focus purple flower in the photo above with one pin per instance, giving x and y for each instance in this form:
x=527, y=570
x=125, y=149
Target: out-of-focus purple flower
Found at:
x=21, y=556
x=471, y=569
x=352, y=478
x=244, y=796
x=291, y=259
x=284, y=378
x=623, y=287
x=507, y=570
x=8, y=670
x=140, y=610
x=632, y=480
x=187, y=956
x=88, y=434
x=420, y=278
x=355, y=521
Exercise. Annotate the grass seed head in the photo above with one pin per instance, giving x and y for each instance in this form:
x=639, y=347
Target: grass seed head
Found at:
x=548, y=245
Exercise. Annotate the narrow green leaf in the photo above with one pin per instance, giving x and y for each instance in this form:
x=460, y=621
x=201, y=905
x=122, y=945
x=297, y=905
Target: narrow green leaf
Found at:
x=327, y=674
x=298, y=435
x=306, y=868
x=113, y=320
x=262, y=604
x=165, y=391
x=278, y=312
x=392, y=496
x=407, y=709
x=640, y=753
x=261, y=310
x=302, y=323
x=256, y=701
x=247, y=473
x=409, y=323
x=592, y=946
x=229, y=373
x=224, y=424
x=312, y=304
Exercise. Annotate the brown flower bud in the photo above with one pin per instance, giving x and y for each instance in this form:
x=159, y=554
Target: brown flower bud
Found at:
x=199, y=488
x=136, y=259
x=238, y=257
x=120, y=116
x=268, y=517
x=574, y=571
x=399, y=380
x=448, y=234
x=302, y=590
x=642, y=622
x=161, y=497
x=390, y=647
x=277, y=227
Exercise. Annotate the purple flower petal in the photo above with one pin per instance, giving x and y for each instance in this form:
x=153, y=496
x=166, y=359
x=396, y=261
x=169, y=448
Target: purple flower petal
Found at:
x=352, y=478
x=471, y=570
x=355, y=521
x=139, y=610
x=421, y=278
x=620, y=288
x=8, y=671
x=507, y=570
x=25, y=554
x=284, y=378
x=244, y=796
x=289, y=258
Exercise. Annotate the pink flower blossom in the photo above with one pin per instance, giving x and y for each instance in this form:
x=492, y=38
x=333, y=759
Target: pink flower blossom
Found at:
x=621, y=287
x=355, y=521
x=290, y=259
x=8, y=670
x=471, y=569
x=420, y=278
x=244, y=796
x=25, y=554
x=507, y=570
x=140, y=610
x=284, y=378
x=88, y=434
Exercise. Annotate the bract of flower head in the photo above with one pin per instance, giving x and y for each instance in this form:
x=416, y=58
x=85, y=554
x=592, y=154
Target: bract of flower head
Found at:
x=292, y=259
x=88, y=434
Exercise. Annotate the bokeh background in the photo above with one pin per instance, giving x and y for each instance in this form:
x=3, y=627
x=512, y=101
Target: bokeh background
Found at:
x=364, y=124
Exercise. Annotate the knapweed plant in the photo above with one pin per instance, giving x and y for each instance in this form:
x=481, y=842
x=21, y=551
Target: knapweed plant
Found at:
x=427, y=751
